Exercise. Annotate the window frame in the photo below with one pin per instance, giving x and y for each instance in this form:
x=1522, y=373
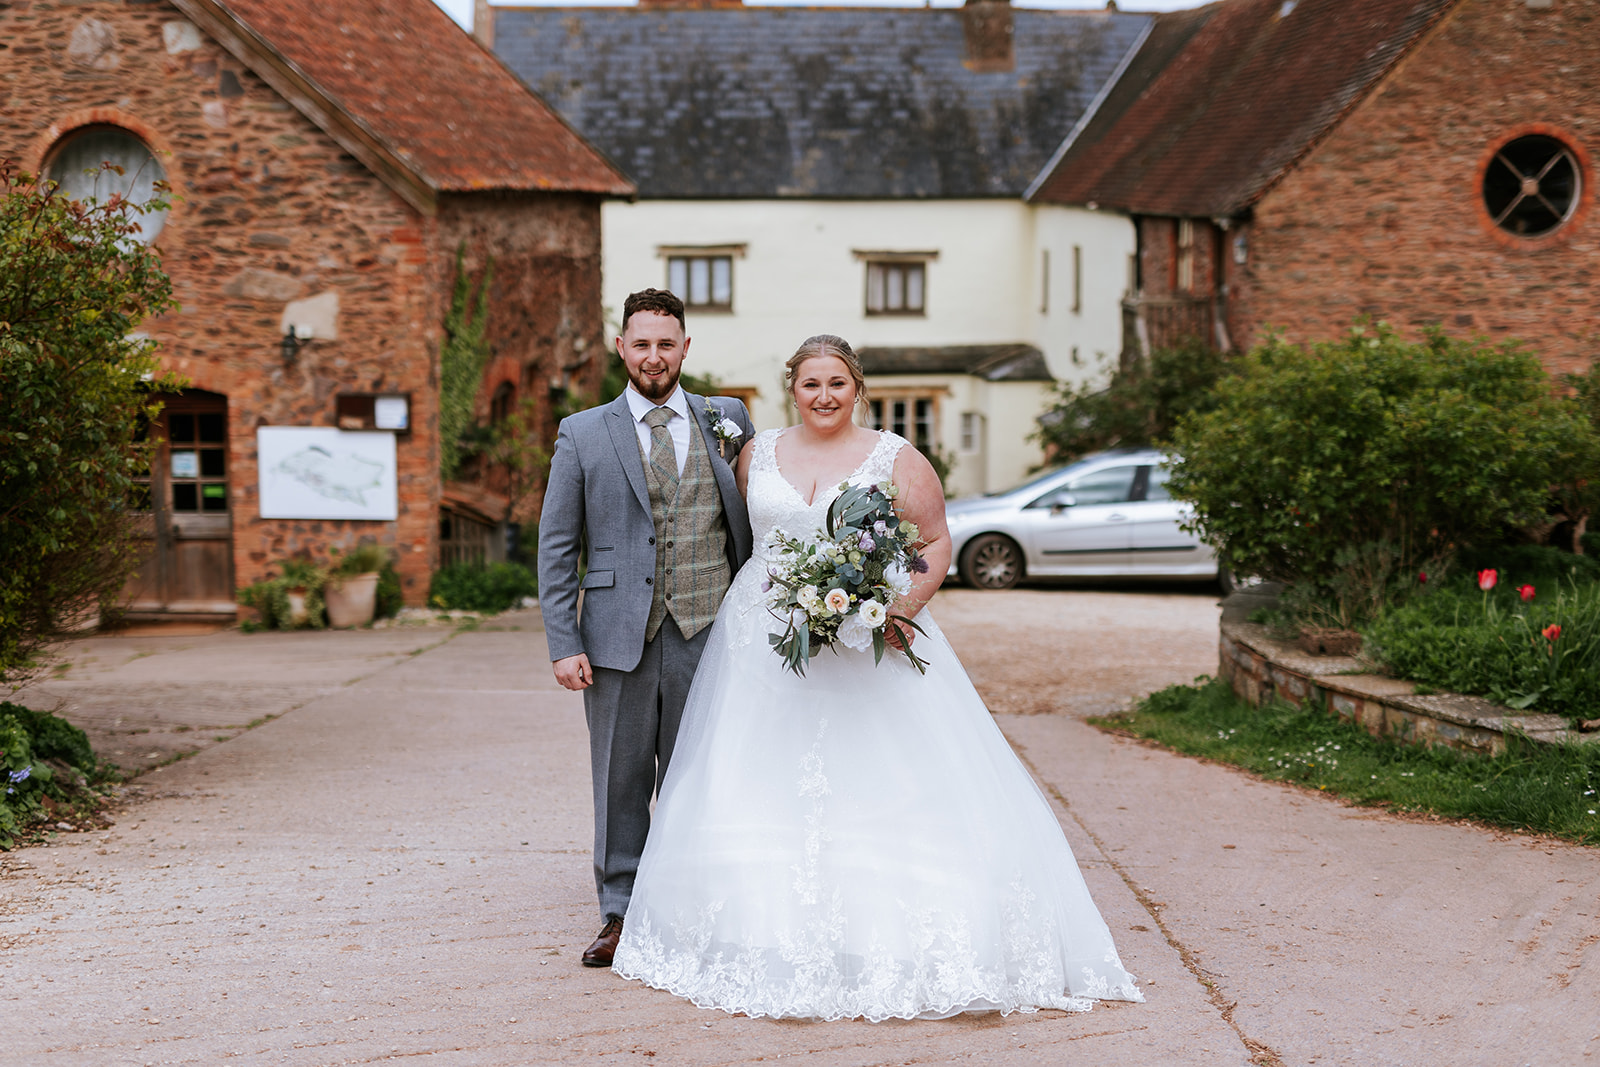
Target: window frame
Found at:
x=879, y=260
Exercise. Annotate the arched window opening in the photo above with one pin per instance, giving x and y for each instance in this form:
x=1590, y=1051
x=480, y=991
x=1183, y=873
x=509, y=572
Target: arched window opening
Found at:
x=77, y=167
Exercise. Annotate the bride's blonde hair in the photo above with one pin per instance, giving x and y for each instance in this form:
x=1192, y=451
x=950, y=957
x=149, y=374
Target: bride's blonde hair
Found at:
x=826, y=344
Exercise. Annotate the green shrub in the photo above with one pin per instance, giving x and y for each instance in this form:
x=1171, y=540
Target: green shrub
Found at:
x=468, y=587
x=1345, y=468
x=270, y=597
x=389, y=598
x=1141, y=405
x=76, y=380
x=41, y=756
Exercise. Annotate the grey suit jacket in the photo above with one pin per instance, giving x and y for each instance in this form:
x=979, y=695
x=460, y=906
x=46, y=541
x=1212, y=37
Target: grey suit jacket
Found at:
x=596, y=500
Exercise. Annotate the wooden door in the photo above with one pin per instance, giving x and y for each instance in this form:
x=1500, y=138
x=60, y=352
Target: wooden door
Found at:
x=188, y=568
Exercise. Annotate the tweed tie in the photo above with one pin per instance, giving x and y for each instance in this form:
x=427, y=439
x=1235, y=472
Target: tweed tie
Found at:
x=663, y=456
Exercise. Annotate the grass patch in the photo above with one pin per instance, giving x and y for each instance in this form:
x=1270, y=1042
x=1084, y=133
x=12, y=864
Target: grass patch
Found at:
x=1547, y=789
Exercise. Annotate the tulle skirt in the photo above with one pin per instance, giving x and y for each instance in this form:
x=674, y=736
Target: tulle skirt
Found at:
x=857, y=843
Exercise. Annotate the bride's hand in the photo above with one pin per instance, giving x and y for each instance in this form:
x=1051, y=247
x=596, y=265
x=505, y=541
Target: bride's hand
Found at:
x=898, y=635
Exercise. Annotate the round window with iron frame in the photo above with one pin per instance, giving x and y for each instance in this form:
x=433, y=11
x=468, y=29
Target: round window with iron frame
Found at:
x=1532, y=185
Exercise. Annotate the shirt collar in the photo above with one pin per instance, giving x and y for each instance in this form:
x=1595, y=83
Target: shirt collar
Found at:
x=678, y=403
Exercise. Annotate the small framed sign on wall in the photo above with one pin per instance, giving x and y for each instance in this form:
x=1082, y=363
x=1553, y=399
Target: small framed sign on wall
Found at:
x=319, y=472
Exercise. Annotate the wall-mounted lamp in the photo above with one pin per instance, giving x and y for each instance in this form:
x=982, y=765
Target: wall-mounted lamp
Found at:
x=294, y=339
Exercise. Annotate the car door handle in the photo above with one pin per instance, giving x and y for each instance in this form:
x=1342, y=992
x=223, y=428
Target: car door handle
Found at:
x=1116, y=516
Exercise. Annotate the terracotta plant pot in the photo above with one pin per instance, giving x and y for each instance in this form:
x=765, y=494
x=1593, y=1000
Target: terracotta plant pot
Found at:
x=351, y=600
x=297, y=606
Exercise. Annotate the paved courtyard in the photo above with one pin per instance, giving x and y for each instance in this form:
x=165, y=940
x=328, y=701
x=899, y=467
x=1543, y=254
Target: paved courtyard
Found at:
x=378, y=850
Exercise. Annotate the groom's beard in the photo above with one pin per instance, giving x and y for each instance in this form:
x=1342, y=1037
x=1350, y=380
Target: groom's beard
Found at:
x=657, y=389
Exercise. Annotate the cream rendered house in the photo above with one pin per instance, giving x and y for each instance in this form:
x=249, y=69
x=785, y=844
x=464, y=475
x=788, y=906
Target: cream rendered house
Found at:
x=857, y=171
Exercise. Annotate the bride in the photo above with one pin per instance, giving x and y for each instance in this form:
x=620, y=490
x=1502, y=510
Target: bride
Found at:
x=860, y=842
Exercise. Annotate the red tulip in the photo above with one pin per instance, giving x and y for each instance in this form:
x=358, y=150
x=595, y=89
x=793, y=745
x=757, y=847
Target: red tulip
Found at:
x=1423, y=577
x=1525, y=592
x=1486, y=579
x=1551, y=632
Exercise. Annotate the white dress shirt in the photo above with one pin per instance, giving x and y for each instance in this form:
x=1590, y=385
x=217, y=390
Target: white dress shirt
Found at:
x=678, y=404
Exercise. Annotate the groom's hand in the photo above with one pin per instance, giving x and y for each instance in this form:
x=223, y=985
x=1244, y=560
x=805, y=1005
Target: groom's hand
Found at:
x=574, y=672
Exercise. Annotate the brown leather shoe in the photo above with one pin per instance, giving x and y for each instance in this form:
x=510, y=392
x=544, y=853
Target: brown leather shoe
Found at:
x=605, y=946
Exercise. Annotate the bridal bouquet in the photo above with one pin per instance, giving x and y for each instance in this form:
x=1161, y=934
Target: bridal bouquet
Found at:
x=840, y=584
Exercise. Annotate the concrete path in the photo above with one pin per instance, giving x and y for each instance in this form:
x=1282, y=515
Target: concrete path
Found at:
x=397, y=866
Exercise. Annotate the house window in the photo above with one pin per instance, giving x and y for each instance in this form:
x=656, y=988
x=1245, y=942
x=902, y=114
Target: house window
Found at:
x=77, y=166
x=1185, y=256
x=703, y=282
x=897, y=287
x=1532, y=185
x=501, y=403
x=971, y=431
x=911, y=417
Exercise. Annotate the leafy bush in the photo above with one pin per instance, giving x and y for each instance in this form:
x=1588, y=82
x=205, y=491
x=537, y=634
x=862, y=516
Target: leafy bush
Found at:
x=45, y=762
x=270, y=597
x=73, y=378
x=1141, y=405
x=468, y=587
x=1542, y=652
x=1343, y=468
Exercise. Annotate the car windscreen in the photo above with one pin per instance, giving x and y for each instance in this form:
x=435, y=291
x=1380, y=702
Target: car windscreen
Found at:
x=1036, y=480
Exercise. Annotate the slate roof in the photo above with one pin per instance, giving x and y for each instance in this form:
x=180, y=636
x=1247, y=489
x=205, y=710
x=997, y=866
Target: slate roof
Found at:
x=1222, y=101
x=413, y=91
x=757, y=102
x=994, y=363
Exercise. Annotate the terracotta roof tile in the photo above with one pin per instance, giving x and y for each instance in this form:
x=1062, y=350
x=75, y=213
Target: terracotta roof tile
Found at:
x=1252, y=85
x=446, y=108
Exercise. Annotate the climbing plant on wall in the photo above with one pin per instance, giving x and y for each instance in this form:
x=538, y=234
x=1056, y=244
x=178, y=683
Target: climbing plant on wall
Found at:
x=462, y=358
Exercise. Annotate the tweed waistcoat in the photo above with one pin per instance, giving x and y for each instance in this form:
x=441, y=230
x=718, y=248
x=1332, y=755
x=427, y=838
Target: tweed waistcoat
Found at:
x=692, y=572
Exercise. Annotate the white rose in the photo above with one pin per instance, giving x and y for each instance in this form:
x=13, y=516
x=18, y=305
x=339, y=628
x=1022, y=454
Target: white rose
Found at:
x=809, y=598
x=872, y=613
x=897, y=578
x=854, y=632
x=838, y=601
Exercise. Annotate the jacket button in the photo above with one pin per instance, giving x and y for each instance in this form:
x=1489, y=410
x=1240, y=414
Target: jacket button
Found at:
x=649, y=581
x=652, y=540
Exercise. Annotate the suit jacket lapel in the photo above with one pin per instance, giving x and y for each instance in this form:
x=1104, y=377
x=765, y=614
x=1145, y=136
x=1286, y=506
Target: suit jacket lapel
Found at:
x=727, y=485
x=625, y=438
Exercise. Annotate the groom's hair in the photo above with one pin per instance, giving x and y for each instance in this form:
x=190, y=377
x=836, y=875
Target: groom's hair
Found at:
x=658, y=301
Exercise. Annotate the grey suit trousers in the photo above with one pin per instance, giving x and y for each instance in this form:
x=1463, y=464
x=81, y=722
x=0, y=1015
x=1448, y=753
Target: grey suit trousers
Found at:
x=633, y=723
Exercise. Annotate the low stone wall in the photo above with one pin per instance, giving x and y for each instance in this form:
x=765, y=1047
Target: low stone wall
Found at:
x=1260, y=668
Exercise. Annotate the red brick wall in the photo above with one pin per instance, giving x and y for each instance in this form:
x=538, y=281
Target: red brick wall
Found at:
x=1385, y=217
x=268, y=209
x=544, y=325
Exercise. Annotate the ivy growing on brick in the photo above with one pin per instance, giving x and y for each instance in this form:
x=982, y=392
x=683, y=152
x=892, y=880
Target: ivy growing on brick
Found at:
x=462, y=357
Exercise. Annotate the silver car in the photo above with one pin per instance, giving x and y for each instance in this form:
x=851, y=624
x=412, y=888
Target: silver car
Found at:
x=1107, y=515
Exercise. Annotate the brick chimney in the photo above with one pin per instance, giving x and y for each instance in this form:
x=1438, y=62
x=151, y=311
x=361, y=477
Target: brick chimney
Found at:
x=988, y=28
x=483, y=23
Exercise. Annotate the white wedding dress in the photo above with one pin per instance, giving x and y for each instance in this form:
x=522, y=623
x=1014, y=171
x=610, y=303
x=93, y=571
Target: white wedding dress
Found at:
x=857, y=843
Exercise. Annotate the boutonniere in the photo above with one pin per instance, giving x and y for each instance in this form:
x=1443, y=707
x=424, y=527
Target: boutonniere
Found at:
x=725, y=429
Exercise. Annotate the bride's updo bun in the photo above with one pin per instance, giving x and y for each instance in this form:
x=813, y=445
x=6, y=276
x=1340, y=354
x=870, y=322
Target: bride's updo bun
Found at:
x=827, y=344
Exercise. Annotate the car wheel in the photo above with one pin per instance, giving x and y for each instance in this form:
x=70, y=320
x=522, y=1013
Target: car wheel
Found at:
x=992, y=561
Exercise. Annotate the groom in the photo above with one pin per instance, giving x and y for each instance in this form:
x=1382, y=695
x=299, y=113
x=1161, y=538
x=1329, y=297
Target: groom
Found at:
x=643, y=487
